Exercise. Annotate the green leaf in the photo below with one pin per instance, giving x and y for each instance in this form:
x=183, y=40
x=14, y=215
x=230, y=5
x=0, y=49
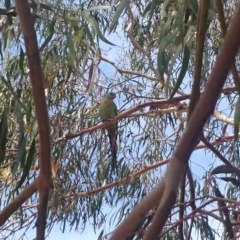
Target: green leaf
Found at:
x=21, y=60
x=48, y=39
x=28, y=165
x=46, y=7
x=121, y=6
x=164, y=8
x=7, y=84
x=3, y=135
x=71, y=54
x=154, y=3
x=161, y=62
x=225, y=169
x=225, y=211
x=5, y=38
x=186, y=57
x=153, y=6
x=165, y=30
x=7, y=4
x=232, y=180
x=89, y=34
x=179, y=18
x=1, y=53
x=33, y=4
x=98, y=8
x=7, y=12
x=236, y=119
x=148, y=8
x=93, y=22
x=193, y=5
x=171, y=64
x=100, y=235
x=20, y=158
x=3, y=11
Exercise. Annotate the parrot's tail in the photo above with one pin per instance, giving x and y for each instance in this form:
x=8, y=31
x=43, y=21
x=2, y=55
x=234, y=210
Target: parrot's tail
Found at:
x=113, y=145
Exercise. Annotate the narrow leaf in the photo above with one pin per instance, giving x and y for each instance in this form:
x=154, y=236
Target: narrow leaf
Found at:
x=236, y=119
x=98, y=8
x=186, y=57
x=71, y=54
x=89, y=34
x=148, y=8
x=48, y=39
x=8, y=85
x=46, y=7
x=193, y=5
x=234, y=181
x=225, y=211
x=100, y=235
x=93, y=22
x=153, y=6
x=21, y=155
x=121, y=6
x=161, y=62
x=21, y=60
x=28, y=165
x=3, y=135
x=225, y=169
x=7, y=4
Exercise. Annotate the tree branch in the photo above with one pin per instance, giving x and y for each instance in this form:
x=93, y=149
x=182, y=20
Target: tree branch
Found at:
x=18, y=201
x=36, y=75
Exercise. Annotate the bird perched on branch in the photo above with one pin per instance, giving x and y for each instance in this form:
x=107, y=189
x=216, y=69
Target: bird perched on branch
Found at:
x=108, y=110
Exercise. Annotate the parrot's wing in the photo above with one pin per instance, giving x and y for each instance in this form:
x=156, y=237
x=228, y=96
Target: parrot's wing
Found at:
x=115, y=109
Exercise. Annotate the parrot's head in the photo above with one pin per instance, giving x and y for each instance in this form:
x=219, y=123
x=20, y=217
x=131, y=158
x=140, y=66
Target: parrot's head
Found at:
x=110, y=95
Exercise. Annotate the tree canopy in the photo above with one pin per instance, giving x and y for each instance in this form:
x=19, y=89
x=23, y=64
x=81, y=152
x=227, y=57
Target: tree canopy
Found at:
x=161, y=58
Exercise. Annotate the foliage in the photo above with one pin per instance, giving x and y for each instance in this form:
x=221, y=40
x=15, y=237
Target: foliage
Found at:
x=149, y=55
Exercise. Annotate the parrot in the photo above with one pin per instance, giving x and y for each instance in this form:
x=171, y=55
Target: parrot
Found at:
x=108, y=110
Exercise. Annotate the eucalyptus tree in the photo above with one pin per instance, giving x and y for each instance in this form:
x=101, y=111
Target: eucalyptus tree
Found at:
x=157, y=58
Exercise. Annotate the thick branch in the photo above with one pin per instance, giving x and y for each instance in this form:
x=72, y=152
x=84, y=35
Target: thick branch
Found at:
x=37, y=81
x=18, y=201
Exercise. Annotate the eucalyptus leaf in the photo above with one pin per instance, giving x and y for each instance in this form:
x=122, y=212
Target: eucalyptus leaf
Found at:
x=161, y=60
x=49, y=37
x=3, y=135
x=21, y=155
x=28, y=164
x=225, y=169
x=121, y=6
x=232, y=180
x=95, y=25
x=227, y=220
x=236, y=119
x=98, y=8
x=184, y=67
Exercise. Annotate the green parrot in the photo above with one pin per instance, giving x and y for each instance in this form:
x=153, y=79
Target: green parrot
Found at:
x=108, y=110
